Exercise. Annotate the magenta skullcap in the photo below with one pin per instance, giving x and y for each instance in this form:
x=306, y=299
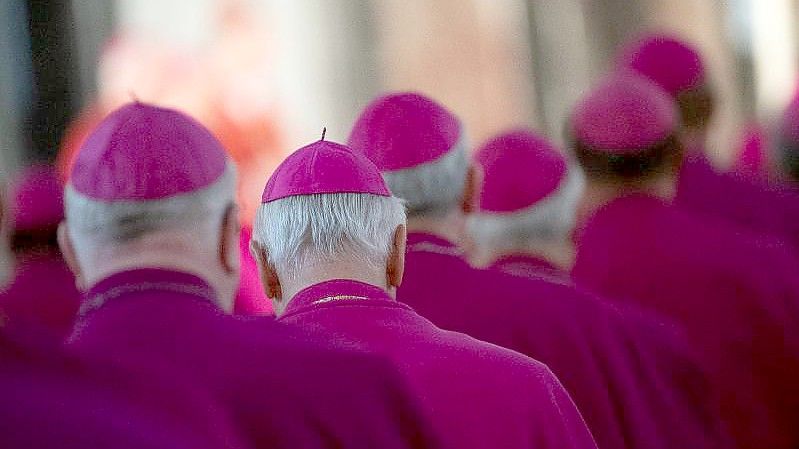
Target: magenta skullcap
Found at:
x=404, y=130
x=142, y=152
x=625, y=113
x=324, y=167
x=519, y=168
x=38, y=199
x=670, y=63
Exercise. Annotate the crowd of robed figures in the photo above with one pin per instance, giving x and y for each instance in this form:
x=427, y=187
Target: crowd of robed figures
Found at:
x=617, y=293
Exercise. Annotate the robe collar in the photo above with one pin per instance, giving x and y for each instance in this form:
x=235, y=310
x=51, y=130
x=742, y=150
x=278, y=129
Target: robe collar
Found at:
x=146, y=281
x=340, y=293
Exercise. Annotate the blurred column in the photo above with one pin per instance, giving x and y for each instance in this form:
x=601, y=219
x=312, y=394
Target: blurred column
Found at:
x=739, y=25
x=55, y=95
x=609, y=24
x=94, y=20
x=15, y=80
x=325, y=65
x=472, y=55
x=704, y=23
x=774, y=54
x=562, y=62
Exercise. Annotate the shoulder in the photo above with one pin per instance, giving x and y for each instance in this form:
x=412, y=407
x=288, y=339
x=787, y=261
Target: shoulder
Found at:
x=481, y=354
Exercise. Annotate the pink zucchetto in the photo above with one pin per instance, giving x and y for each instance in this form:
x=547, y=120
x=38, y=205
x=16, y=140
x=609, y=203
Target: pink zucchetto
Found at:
x=324, y=167
x=625, y=113
x=672, y=64
x=38, y=199
x=404, y=130
x=142, y=152
x=518, y=169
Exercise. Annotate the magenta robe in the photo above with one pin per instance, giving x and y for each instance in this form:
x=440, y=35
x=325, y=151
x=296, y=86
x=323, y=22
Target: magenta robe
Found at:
x=581, y=339
x=42, y=296
x=52, y=400
x=477, y=395
x=283, y=388
x=686, y=400
x=735, y=295
x=746, y=202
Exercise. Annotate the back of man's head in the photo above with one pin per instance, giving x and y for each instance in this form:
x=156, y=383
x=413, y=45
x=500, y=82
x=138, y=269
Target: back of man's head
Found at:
x=526, y=196
x=677, y=67
x=420, y=148
x=151, y=186
x=327, y=214
x=624, y=132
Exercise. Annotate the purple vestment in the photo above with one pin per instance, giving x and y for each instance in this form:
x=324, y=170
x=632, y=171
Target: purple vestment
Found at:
x=740, y=199
x=42, y=296
x=581, y=339
x=477, y=395
x=734, y=294
x=283, y=389
x=52, y=400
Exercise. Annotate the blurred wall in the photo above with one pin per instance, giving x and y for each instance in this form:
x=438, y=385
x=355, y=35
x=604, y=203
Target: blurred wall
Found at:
x=315, y=63
x=472, y=55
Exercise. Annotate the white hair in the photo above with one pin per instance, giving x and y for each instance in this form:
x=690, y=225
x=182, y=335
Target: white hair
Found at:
x=435, y=187
x=299, y=231
x=93, y=223
x=551, y=219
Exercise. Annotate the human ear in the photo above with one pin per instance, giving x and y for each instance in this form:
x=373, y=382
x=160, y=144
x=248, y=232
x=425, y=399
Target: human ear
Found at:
x=471, y=189
x=229, y=235
x=395, y=268
x=268, y=274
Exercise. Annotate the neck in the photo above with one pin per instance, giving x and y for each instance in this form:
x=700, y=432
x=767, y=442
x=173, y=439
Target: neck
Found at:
x=694, y=141
x=167, y=256
x=598, y=193
x=449, y=226
x=323, y=272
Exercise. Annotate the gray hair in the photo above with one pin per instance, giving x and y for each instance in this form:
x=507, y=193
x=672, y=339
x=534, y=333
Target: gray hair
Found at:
x=435, y=187
x=299, y=231
x=93, y=223
x=549, y=220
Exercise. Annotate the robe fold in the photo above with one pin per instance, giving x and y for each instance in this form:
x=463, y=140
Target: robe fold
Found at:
x=734, y=293
x=476, y=395
x=739, y=199
x=585, y=342
x=54, y=400
x=283, y=388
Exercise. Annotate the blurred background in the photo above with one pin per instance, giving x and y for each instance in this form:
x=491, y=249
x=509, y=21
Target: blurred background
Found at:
x=267, y=75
